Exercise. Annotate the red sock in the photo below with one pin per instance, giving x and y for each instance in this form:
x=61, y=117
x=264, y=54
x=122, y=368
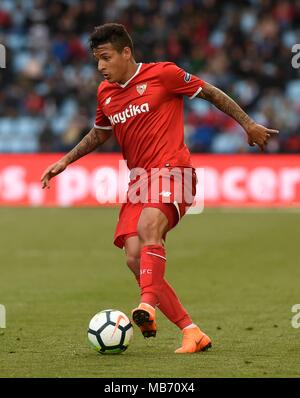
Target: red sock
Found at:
x=171, y=307
x=152, y=270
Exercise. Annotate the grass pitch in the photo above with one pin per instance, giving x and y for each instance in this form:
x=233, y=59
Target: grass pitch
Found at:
x=238, y=274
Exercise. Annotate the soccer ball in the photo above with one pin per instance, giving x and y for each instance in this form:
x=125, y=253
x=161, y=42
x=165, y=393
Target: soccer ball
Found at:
x=110, y=332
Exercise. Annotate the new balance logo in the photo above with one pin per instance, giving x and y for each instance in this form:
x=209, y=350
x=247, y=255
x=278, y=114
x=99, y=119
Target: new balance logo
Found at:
x=165, y=194
x=131, y=111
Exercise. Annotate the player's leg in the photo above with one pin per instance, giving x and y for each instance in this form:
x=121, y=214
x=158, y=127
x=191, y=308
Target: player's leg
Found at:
x=132, y=251
x=152, y=226
x=169, y=303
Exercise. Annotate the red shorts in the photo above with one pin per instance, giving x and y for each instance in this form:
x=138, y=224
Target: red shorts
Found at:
x=172, y=190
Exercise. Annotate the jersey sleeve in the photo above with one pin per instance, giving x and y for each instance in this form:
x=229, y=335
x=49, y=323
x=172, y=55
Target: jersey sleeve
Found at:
x=101, y=121
x=180, y=82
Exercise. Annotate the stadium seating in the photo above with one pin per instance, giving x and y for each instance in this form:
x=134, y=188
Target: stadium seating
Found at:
x=49, y=85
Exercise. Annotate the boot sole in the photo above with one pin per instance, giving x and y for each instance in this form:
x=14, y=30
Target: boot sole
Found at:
x=207, y=347
x=142, y=318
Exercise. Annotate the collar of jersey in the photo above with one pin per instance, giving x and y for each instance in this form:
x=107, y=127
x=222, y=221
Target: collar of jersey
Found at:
x=132, y=77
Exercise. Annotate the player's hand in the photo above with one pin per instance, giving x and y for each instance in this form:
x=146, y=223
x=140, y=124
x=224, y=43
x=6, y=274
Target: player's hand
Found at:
x=259, y=135
x=51, y=172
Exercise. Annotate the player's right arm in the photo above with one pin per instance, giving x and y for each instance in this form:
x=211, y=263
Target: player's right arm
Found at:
x=89, y=143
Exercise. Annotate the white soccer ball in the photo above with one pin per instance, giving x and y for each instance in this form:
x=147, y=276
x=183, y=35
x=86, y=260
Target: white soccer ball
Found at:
x=110, y=332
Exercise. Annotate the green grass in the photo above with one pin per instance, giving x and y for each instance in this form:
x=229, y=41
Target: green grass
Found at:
x=238, y=275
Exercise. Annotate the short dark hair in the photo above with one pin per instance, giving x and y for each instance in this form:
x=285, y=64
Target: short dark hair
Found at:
x=113, y=33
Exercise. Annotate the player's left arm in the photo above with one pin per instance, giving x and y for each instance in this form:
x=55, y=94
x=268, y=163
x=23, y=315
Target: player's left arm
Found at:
x=257, y=134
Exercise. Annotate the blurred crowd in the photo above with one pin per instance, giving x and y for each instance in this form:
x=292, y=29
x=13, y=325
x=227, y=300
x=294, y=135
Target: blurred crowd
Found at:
x=48, y=88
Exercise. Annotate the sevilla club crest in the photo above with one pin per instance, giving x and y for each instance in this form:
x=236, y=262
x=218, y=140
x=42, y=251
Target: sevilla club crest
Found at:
x=141, y=88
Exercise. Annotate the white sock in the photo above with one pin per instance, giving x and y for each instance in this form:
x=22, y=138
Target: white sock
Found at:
x=148, y=305
x=192, y=325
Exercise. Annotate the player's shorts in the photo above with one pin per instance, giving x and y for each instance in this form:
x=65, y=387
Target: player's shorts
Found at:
x=172, y=190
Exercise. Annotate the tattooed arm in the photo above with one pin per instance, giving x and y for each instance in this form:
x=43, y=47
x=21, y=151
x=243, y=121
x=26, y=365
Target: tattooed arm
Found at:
x=89, y=143
x=257, y=134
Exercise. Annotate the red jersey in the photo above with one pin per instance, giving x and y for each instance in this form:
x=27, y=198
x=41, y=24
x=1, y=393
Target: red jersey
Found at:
x=146, y=114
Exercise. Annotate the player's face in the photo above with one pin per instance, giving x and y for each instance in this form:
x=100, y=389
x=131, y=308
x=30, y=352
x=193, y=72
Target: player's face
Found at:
x=112, y=64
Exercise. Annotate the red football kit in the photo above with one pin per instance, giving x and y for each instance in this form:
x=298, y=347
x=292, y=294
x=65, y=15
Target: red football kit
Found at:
x=146, y=115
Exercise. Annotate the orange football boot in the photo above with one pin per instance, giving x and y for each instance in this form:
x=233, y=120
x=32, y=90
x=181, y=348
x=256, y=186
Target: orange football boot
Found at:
x=144, y=317
x=194, y=340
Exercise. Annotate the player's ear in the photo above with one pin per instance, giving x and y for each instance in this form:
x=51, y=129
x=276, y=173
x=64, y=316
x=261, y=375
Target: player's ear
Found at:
x=127, y=53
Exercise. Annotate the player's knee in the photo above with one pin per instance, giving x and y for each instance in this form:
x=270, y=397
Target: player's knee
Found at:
x=133, y=264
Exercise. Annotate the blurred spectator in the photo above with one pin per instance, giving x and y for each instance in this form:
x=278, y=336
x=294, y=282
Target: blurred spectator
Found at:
x=48, y=90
